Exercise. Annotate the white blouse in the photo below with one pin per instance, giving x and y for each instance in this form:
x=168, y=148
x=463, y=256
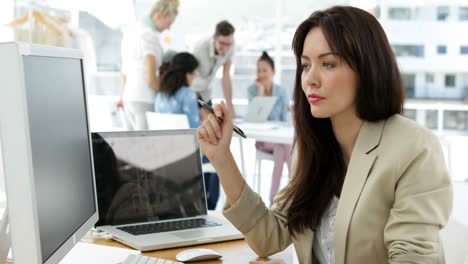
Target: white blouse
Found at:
x=323, y=247
x=138, y=41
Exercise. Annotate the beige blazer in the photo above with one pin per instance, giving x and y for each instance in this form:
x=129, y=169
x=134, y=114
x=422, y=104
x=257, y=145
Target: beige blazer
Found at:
x=396, y=197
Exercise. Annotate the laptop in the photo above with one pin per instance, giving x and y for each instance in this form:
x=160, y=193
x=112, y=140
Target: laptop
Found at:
x=150, y=190
x=260, y=108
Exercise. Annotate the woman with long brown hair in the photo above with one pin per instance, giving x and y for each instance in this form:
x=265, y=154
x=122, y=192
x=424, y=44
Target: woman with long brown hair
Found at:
x=369, y=186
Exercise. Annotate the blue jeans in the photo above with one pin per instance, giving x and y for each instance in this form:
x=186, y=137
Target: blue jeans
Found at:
x=211, y=187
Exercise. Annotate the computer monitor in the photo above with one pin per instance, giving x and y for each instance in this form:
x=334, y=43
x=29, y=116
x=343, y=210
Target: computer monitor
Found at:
x=47, y=155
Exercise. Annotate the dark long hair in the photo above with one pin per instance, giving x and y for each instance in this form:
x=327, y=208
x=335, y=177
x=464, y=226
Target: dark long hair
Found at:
x=359, y=39
x=268, y=59
x=175, y=77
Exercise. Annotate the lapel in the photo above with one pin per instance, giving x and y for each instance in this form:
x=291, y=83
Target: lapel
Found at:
x=362, y=159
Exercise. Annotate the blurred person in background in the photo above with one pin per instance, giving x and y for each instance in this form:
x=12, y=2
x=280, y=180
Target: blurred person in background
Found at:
x=264, y=86
x=141, y=57
x=176, y=97
x=167, y=57
x=212, y=53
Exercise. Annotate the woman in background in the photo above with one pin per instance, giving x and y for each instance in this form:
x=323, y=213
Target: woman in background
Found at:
x=176, y=97
x=264, y=86
x=141, y=57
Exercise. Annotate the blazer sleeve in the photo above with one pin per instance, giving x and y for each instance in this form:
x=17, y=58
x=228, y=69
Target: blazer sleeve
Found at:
x=421, y=208
x=264, y=229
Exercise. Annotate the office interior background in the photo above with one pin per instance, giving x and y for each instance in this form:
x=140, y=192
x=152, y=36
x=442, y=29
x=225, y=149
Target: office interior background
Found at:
x=429, y=38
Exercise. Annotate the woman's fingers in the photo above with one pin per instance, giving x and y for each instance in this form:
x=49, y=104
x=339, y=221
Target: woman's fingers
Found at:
x=202, y=134
x=210, y=131
x=215, y=125
x=218, y=110
x=212, y=128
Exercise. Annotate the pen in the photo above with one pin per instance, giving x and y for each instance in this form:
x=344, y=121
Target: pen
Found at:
x=208, y=107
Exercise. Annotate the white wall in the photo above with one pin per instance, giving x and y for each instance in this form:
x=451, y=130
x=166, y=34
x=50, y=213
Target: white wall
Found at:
x=2, y=177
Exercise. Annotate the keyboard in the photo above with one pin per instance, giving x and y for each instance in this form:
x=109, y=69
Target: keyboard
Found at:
x=167, y=226
x=139, y=259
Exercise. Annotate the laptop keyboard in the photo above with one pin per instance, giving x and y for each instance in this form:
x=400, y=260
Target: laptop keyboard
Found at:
x=139, y=259
x=167, y=226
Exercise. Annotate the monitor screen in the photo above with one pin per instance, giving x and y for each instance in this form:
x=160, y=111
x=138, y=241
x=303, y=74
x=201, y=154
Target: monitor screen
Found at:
x=61, y=157
x=147, y=176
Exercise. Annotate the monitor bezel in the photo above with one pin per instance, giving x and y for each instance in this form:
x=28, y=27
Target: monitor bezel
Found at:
x=17, y=159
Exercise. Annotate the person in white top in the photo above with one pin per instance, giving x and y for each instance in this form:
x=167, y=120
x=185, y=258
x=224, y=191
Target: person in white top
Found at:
x=212, y=53
x=141, y=57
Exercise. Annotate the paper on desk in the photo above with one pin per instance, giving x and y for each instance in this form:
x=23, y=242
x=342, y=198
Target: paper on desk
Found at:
x=97, y=254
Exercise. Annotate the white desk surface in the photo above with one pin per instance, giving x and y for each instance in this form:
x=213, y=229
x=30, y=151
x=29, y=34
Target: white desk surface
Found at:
x=269, y=132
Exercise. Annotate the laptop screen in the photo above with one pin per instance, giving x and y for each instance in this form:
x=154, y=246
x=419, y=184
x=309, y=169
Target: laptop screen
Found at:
x=144, y=176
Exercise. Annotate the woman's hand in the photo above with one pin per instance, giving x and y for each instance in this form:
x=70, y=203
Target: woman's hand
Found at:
x=260, y=87
x=274, y=261
x=120, y=104
x=214, y=136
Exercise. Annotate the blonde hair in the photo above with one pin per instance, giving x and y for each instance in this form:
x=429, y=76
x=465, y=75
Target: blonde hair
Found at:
x=166, y=7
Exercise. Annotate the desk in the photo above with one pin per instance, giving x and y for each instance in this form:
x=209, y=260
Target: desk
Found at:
x=274, y=132
x=235, y=252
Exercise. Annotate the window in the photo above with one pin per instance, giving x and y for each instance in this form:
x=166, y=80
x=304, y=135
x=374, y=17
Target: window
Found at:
x=456, y=120
x=288, y=77
x=431, y=119
x=408, y=50
x=464, y=50
x=450, y=80
x=442, y=13
x=399, y=13
x=244, y=70
x=106, y=42
x=411, y=114
x=465, y=80
x=441, y=49
x=377, y=12
x=463, y=14
x=286, y=47
x=409, y=81
x=429, y=78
